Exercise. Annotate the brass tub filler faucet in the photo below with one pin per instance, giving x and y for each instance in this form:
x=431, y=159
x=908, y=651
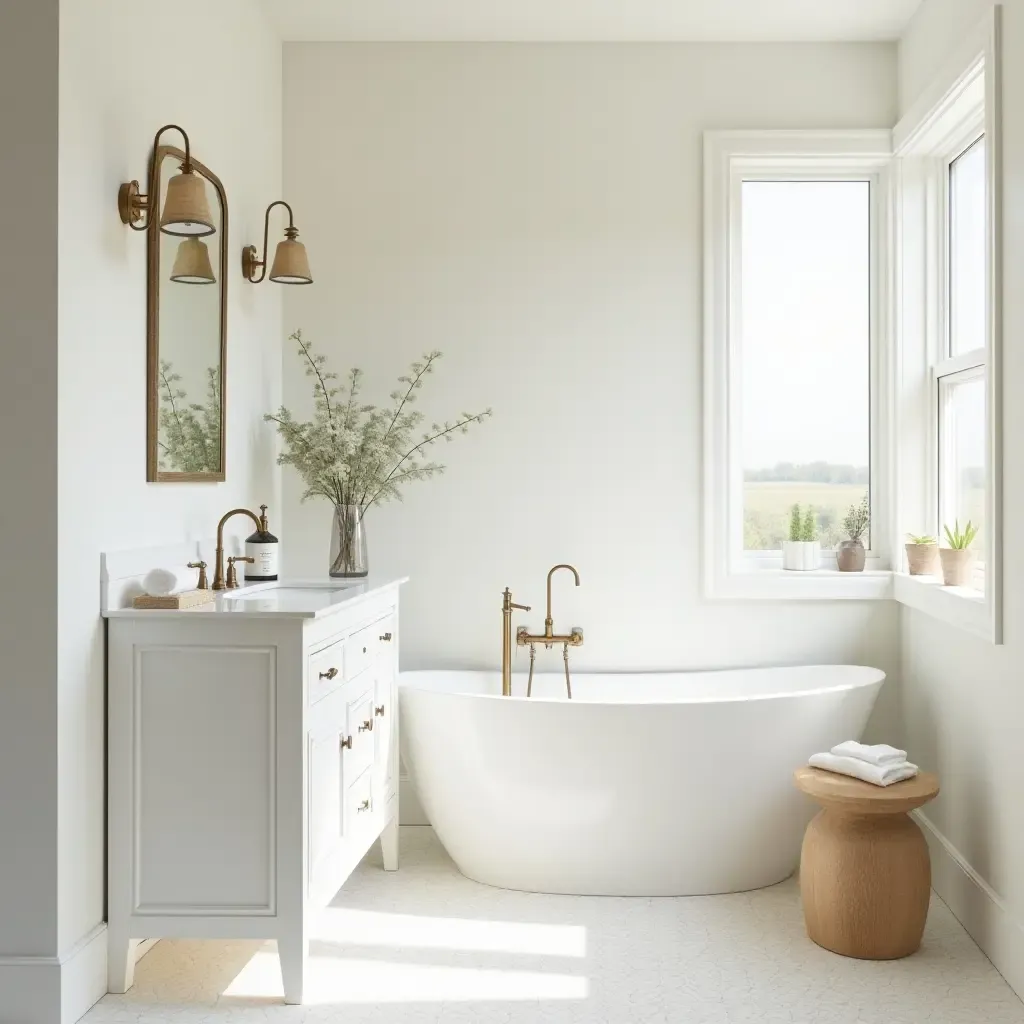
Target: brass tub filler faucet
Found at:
x=524, y=638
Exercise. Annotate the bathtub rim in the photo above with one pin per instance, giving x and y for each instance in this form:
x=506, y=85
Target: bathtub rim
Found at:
x=878, y=677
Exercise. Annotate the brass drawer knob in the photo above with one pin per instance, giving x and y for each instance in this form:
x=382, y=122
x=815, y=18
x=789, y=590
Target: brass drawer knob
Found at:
x=386, y=637
x=364, y=806
x=329, y=674
x=346, y=742
x=367, y=726
x=379, y=710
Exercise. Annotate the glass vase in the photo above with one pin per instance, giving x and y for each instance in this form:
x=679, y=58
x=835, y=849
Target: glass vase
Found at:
x=348, y=543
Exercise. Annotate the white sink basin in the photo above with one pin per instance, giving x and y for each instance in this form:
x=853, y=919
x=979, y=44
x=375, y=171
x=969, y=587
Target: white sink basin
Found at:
x=287, y=591
x=290, y=598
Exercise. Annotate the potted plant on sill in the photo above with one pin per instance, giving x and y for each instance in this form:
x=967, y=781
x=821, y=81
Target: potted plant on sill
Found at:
x=958, y=558
x=356, y=455
x=850, y=554
x=801, y=553
x=922, y=555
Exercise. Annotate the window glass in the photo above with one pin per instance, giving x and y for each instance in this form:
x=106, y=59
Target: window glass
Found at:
x=962, y=446
x=967, y=250
x=805, y=321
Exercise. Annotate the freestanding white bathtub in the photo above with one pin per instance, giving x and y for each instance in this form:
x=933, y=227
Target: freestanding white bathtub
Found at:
x=661, y=784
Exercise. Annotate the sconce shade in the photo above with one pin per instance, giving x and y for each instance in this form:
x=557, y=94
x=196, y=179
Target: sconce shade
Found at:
x=291, y=264
x=186, y=208
x=192, y=263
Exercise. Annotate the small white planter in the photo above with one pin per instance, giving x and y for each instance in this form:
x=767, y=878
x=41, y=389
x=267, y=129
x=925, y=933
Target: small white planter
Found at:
x=801, y=555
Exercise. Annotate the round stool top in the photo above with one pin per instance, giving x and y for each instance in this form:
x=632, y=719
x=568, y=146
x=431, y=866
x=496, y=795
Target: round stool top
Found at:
x=842, y=793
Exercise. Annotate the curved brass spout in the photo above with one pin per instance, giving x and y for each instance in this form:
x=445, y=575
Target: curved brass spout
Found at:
x=549, y=621
x=218, y=572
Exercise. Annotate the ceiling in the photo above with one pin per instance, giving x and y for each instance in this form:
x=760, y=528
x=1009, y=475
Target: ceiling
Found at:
x=591, y=20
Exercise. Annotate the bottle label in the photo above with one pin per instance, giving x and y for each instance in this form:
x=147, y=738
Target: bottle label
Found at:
x=264, y=564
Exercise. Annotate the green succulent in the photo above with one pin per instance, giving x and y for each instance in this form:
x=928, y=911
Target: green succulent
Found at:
x=959, y=539
x=926, y=538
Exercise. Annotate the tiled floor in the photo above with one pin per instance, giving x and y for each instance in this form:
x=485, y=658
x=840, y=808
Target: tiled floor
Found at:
x=427, y=946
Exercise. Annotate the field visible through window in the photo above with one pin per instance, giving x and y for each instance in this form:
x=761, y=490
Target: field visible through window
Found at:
x=767, y=503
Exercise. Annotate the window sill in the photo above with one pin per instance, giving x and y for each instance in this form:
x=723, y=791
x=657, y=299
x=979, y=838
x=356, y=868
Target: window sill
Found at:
x=956, y=606
x=816, y=585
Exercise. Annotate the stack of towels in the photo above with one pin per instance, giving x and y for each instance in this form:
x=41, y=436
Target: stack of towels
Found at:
x=877, y=763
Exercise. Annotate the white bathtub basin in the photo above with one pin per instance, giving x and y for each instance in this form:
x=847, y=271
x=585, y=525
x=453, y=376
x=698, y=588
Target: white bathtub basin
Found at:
x=658, y=784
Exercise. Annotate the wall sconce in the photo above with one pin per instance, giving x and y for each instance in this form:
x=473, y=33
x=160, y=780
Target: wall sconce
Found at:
x=192, y=263
x=291, y=264
x=186, y=210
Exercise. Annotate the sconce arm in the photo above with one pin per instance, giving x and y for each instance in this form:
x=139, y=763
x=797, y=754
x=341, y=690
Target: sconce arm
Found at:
x=187, y=165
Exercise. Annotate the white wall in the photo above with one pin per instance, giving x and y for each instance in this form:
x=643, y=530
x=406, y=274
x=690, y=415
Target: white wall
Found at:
x=535, y=212
x=123, y=73
x=962, y=699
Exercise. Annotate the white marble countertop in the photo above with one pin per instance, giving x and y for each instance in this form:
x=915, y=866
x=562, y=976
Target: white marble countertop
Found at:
x=287, y=599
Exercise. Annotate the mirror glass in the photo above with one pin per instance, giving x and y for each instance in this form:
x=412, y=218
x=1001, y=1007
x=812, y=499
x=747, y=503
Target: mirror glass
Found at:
x=187, y=303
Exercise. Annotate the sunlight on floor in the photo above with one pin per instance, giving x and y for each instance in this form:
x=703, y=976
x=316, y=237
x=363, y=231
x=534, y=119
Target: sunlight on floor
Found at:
x=337, y=979
x=406, y=931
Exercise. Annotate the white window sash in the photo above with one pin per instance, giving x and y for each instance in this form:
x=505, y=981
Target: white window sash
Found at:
x=729, y=159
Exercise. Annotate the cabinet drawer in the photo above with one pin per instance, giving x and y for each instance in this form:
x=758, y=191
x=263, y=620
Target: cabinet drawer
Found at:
x=359, y=802
x=367, y=643
x=359, y=753
x=326, y=671
x=385, y=729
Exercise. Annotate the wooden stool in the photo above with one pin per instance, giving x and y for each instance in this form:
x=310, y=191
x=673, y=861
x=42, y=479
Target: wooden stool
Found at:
x=865, y=876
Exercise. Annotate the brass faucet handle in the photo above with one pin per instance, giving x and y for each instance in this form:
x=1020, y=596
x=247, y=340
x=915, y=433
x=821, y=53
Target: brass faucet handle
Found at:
x=232, y=574
x=577, y=636
x=204, y=583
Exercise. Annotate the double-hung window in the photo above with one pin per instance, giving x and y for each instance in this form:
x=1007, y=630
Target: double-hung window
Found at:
x=948, y=331
x=796, y=225
x=959, y=372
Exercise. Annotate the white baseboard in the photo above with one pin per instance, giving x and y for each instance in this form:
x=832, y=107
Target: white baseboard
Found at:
x=83, y=975
x=978, y=907
x=54, y=989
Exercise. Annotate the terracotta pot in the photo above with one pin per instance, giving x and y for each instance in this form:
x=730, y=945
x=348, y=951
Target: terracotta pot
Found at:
x=850, y=555
x=957, y=567
x=923, y=559
x=801, y=555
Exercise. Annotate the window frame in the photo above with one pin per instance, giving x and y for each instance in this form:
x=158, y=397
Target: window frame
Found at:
x=961, y=106
x=731, y=157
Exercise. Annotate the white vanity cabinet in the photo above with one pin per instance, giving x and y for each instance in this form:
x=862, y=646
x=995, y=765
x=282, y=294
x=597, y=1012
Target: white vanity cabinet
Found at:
x=253, y=760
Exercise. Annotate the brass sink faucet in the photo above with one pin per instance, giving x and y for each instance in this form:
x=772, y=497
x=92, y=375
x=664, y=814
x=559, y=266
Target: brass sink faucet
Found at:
x=218, y=569
x=524, y=638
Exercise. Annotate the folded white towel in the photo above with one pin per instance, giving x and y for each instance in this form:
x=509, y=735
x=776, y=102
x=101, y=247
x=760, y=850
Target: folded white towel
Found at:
x=877, y=775
x=873, y=753
x=163, y=582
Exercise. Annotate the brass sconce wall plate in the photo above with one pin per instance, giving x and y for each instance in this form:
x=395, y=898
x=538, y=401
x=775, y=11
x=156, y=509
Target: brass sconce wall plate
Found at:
x=291, y=264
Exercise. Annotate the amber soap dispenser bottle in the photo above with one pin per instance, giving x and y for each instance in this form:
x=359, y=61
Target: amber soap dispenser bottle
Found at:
x=264, y=550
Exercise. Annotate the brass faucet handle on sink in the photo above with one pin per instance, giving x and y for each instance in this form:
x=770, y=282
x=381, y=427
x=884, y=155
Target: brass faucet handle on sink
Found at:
x=204, y=583
x=232, y=574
